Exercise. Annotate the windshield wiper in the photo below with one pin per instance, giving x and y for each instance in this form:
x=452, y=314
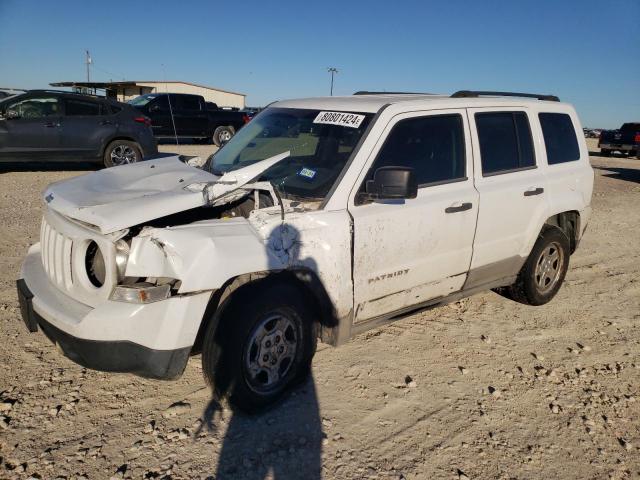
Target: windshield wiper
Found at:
x=276, y=190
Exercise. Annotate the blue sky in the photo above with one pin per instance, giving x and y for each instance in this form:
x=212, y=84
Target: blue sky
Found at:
x=587, y=52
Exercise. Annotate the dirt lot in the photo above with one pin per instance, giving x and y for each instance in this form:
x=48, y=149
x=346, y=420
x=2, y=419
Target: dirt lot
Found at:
x=485, y=388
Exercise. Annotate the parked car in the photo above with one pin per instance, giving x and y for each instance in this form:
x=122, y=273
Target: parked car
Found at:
x=49, y=126
x=351, y=212
x=625, y=140
x=185, y=116
x=591, y=133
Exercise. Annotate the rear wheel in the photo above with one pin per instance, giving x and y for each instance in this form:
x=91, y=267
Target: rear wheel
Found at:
x=222, y=135
x=262, y=344
x=543, y=273
x=121, y=152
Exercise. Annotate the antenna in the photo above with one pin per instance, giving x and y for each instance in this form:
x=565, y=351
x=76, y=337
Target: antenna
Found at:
x=166, y=89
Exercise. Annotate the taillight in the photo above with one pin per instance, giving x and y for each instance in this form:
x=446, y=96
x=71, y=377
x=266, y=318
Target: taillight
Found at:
x=145, y=120
x=637, y=138
x=246, y=118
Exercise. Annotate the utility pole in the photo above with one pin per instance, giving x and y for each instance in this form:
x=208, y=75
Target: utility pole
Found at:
x=88, y=61
x=332, y=71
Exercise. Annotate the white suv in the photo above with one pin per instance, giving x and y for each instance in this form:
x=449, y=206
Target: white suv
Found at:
x=321, y=218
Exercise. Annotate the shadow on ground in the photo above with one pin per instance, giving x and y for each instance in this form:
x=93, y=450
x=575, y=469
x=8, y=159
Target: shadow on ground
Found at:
x=626, y=174
x=281, y=444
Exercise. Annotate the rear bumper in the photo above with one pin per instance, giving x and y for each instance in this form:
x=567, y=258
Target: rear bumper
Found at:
x=149, y=146
x=618, y=146
x=152, y=340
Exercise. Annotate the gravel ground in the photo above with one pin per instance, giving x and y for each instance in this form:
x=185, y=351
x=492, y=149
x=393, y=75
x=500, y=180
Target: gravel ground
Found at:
x=481, y=389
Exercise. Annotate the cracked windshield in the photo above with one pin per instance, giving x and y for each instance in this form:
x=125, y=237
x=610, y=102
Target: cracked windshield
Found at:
x=320, y=144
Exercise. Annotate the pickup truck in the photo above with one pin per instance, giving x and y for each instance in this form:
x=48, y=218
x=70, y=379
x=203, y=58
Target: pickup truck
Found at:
x=323, y=218
x=624, y=140
x=184, y=116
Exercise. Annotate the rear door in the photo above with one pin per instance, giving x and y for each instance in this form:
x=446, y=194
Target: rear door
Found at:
x=510, y=177
x=86, y=125
x=34, y=131
x=411, y=251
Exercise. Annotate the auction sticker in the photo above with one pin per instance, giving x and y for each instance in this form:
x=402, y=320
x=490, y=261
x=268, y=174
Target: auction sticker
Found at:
x=352, y=120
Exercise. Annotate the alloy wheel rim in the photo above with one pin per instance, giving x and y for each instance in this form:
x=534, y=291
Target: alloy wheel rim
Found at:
x=270, y=352
x=548, y=267
x=123, y=154
x=225, y=136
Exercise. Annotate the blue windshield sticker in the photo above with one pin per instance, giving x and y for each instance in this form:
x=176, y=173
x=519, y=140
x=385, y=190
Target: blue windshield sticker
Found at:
x=307, y=173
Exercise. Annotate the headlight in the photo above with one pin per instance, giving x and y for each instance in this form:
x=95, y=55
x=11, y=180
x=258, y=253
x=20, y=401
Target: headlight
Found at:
x=95, y=265
x=122, y=255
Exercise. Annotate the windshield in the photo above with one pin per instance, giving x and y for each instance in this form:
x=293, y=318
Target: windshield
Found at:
x=142, y=100
x=320, y=143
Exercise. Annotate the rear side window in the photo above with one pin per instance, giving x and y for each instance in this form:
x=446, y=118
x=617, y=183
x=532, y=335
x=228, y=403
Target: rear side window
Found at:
x=81, y=108
x=187, y=102
x=505, y=142
x=433, y=146
x=559, y=138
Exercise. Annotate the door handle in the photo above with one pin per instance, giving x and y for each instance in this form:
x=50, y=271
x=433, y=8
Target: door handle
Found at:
x=459, y=208
x=52, y=124
x=533, y=191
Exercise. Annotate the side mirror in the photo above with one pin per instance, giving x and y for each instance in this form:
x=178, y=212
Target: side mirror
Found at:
x=154, y=108
x=392, y=183
x=11, y=114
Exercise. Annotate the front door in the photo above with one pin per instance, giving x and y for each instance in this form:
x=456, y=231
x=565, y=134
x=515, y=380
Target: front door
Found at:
x=30, y=129
x=190, y=116
x=411, y=251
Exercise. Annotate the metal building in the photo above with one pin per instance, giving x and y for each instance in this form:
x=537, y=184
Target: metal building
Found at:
x=126, y=90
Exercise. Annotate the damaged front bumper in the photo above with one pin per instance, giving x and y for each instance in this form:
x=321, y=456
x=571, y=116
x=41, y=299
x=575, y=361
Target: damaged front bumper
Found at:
x=151, y=340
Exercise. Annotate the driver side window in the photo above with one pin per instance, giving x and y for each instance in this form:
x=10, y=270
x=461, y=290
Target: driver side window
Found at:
x=35, y=107
x=432, y=146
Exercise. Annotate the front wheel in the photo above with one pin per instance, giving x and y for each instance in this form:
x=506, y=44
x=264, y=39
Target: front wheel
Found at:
x=543, y=273
x=121, y=152
x=263, y=343
x=222, y=135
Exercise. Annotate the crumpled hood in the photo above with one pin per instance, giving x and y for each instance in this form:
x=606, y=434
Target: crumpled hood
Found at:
x=120, y=197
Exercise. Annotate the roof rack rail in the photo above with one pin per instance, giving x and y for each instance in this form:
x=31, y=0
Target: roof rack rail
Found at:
x=364, y=92
x=476, y=93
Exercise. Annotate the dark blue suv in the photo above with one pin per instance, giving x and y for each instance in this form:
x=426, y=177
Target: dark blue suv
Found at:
x=47, y=125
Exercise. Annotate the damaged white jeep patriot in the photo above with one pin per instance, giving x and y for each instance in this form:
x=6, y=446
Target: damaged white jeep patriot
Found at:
x=321, y=218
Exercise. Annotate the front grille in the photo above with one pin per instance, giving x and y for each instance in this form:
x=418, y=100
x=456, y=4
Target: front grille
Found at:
x=56, y=256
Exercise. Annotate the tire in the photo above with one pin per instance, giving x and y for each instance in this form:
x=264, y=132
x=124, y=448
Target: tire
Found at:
x=222, y=135
x=605, y=153
x=261, y=345
x=537, y=284
x=121, y=152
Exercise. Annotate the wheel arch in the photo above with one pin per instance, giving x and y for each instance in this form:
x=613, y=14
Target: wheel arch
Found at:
x=569, y=223
x=306, y=280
